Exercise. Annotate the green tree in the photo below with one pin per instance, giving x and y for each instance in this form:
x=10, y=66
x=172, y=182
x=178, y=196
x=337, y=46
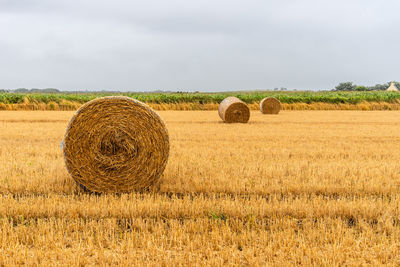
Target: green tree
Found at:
x=347, y=86
x=379, y=87
x=361, y=88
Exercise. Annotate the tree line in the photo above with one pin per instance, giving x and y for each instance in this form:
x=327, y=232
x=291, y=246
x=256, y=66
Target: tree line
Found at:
x=349, y=86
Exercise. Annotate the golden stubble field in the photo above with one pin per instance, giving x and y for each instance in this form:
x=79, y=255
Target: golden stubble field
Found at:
x=300, y=188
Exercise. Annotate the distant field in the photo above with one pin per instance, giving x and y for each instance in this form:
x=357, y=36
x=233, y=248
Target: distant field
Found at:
x=302, y=188
x=292, y=100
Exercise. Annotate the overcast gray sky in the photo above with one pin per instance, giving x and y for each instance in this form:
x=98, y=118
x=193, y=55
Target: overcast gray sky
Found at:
x=205, y=45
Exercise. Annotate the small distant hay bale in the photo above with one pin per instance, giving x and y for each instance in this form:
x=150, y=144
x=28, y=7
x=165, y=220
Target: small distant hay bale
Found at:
x=270, y=105
x=232, y=109
x=116, y=144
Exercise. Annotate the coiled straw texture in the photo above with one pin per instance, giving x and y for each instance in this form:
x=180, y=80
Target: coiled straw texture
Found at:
x=270, y=105
x=232, y=109
x=116, y=144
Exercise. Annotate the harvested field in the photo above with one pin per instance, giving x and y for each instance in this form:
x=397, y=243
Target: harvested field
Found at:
x=303, y=187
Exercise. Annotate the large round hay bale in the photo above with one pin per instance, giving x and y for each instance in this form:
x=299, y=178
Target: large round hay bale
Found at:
x=116, y=144
x=270, y=105
x=232, y=109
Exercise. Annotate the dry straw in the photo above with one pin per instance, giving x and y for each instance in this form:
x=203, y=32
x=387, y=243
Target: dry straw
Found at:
x=116, y=144
x=232, y=109
x=270, y=105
